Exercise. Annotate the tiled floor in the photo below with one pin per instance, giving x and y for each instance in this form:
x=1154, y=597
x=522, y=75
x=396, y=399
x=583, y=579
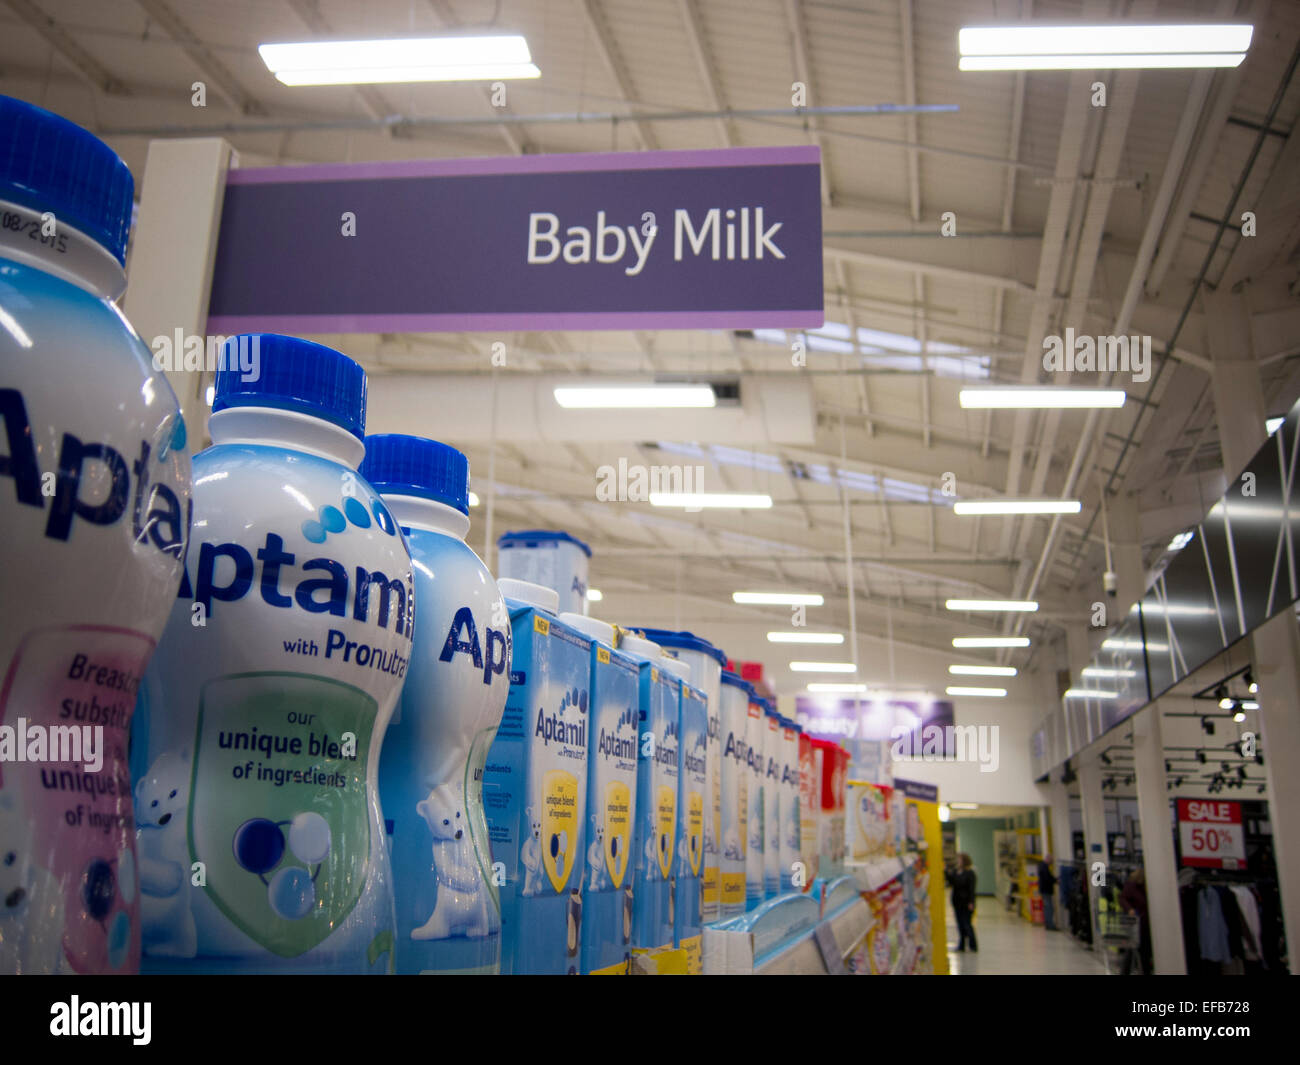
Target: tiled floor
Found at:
x=1010, y=945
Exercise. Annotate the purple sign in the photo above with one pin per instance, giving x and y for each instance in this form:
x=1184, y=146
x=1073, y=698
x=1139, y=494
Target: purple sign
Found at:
x=726, y=239
x=914, y=789
x=838, y=718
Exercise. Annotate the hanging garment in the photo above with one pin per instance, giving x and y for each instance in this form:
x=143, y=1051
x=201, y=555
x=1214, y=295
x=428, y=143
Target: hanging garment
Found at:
x=1211, y=928
x=1251, y=949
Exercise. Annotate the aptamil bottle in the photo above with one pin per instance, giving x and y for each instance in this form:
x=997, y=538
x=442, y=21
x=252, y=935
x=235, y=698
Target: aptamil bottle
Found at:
x=772, y=792
x=431, y=768
x=733, y=786
x=94, y=517
x=256, y=751
x=755, y=867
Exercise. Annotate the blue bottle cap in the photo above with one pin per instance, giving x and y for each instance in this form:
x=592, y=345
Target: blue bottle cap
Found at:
x=414, y=466
x=685, y=641
x=50, y=164
x=294, y=374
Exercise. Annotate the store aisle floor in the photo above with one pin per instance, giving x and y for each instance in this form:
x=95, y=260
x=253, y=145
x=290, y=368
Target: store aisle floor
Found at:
x=1010, y=945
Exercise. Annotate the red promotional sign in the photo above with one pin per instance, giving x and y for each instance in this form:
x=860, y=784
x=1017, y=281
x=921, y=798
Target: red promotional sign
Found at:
x=1210, y=833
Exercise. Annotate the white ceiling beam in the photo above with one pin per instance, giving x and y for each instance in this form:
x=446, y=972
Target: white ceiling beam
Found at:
x=213, y=69
x=513, y=134
x=85, y=65
x=371, y=101
x=603, y=40
x=803, y=72
x=704, y=63
x=894, y=263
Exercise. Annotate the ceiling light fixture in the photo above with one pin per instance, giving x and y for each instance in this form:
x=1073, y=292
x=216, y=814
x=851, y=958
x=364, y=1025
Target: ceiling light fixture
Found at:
x=985, y=693
x=1007, y=605
x=830, y=687
x=964, y=805
x=805, y=637
x=402, y=59
x=777, y=598
x=594, y=595
x=633, y=397
x=1101, y=47
x=1090, y=693
x=983, y=671
x=823, y=667
x=1017, y=506
x=1040, y=398
x=699, y=500
x=990, y=641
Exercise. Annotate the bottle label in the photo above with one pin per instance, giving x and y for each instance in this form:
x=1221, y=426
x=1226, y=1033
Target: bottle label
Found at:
x=65, y=802
x=279, y=815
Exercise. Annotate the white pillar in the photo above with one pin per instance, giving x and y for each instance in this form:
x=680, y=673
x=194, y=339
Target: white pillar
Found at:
x=1094, y=835
x=169, y=277
x=1158, y=860
x=1239, y=405
x=1277, y=669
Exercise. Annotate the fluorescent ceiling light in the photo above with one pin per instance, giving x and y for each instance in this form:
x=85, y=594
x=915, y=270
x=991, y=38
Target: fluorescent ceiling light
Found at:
x=1090, y=693
x=1017, y=605
x=594, y=595
x=984, y=671
x=1119, y=643
x=945, y=812
x=1048, y=398
x=1272, y=425
x=990, y=641
x=1102, y=671
x=805, y=637
x=777, y=598
x=474, y=499
x=1017, y=506
x=1103, y=47
x=829, y=687
x=963, y=805
x=1134, y=61
x=987, y=693
x=823, y=667
x=734, y=500
x=399, y=60
x=613, y=397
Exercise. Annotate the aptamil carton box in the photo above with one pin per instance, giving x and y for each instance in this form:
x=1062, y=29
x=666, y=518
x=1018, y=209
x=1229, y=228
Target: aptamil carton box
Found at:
x=756, y=737
x=772, y=791
x=809, y=808
x=611, y=801
x=831, y=762
x=655, y=841
x=693, y=805
x=733, y=794
x=535, y=788
x=794, y=875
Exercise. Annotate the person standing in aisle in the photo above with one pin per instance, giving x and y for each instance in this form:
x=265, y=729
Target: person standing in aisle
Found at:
x=963, y=902
x=1047, y=889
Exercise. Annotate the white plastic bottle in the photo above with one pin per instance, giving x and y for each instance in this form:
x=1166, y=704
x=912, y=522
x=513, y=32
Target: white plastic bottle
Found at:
x=256, y=752
x=94, y=518
x=431, y=768
x=772, y=792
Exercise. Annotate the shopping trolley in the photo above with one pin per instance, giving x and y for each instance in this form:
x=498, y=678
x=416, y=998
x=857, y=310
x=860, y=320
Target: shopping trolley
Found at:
x=1121, y=937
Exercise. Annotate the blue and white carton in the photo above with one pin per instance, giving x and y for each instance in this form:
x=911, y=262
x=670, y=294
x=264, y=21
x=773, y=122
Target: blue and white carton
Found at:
x=655, y=842
x=693, y=808
x=612, y=743
x=535, y=786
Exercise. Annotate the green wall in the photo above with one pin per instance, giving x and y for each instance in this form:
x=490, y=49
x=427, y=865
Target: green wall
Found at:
x=975, y=837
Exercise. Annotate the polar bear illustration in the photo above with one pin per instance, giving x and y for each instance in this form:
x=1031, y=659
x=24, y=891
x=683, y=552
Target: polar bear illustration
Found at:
x=162, y=797
x=530, y=855
x=27, y=945
x=600, y=879
x=462, y=905
x=731, y=845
